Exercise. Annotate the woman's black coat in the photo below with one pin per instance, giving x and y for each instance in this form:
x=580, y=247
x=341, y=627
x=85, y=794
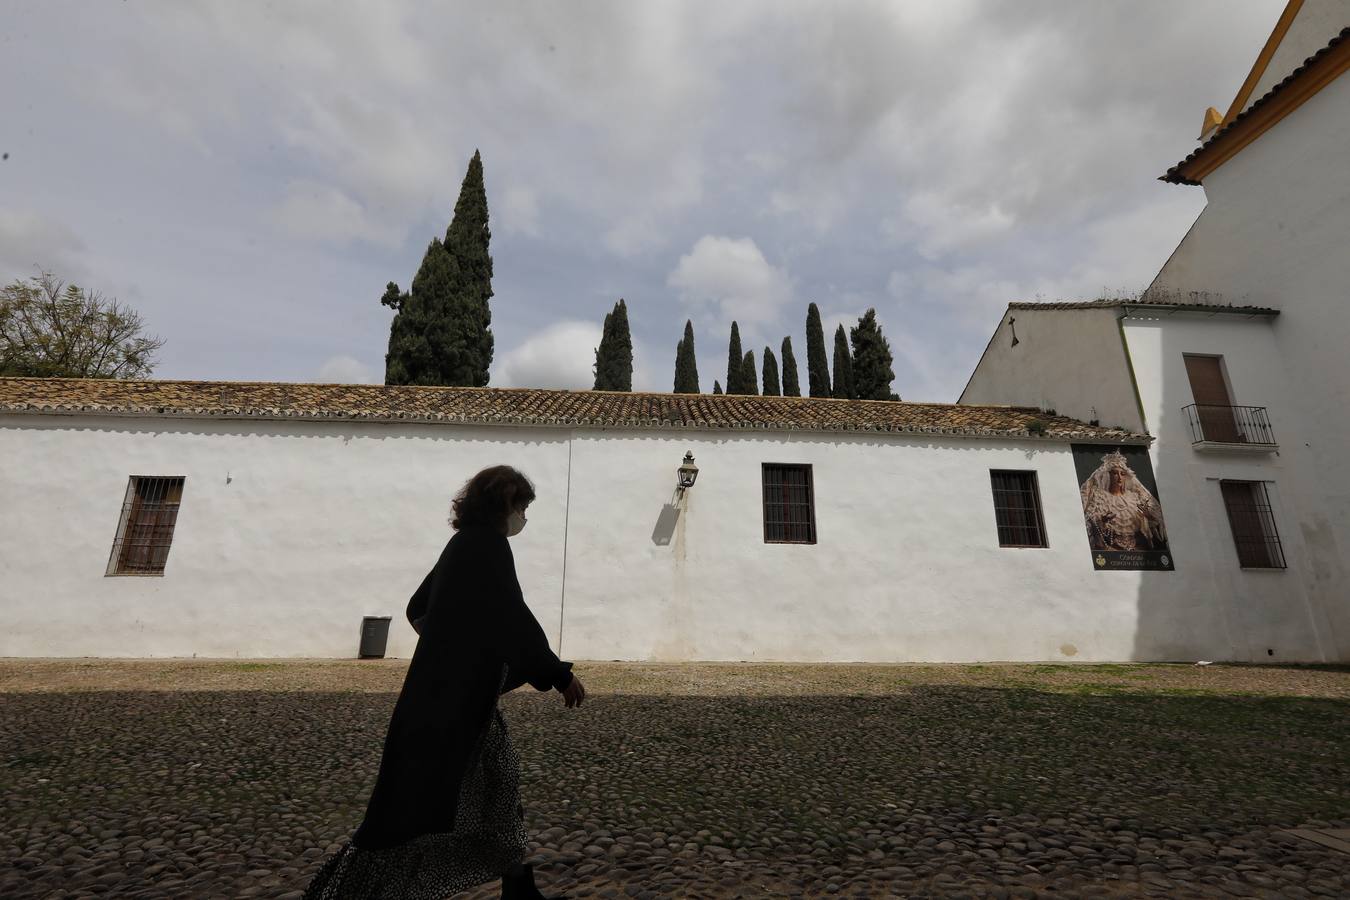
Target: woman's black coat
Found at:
x=472, y=619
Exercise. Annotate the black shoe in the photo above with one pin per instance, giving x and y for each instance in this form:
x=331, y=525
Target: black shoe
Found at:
x=521, y=887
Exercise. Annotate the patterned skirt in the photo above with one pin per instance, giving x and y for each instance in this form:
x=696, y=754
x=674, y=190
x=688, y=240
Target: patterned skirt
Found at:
x=489, y=837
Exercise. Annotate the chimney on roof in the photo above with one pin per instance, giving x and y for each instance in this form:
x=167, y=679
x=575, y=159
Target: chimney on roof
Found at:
x=1212, y=121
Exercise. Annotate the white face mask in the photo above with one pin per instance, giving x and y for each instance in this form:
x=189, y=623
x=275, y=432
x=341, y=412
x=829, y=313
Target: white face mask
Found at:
x=515, y=524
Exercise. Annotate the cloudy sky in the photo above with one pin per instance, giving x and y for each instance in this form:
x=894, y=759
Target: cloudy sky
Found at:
x=249, y=175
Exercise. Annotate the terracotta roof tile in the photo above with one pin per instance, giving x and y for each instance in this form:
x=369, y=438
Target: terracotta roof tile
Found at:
x=1174, y=176
x=1160, y=302
x=529, y=406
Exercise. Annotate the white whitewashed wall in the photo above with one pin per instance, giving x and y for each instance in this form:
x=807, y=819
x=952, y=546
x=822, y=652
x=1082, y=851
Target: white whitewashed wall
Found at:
x=1071, y=361
x=290, y=532
x=1265, y=611
x=1275, y=233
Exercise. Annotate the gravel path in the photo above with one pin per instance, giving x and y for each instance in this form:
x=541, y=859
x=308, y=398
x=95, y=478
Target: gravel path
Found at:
x=189, y=779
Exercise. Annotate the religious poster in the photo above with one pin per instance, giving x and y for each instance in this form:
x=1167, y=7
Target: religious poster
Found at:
x=1120, y=508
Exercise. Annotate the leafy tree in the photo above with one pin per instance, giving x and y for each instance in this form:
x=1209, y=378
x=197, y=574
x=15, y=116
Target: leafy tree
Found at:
x=771, y=388
x=791, y=387
x=872, y=373
x=441, y=331
x=686, y=364
x=817, y=366
x=717, y=386
x=735, y=361
x=614, y=356
x=749, y=377
x=843, y=366
x=49, y=329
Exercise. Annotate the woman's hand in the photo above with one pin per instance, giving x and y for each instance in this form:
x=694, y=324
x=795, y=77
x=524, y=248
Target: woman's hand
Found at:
x=575, y=693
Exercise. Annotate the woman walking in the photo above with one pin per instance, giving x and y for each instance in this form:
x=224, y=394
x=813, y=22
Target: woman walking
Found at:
x=445, y=813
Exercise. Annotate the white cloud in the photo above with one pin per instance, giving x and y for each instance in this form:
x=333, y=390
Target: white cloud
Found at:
x=732, y=274
x=562, y=356
x=653, y=369
x=559, y=356
x=347, y=370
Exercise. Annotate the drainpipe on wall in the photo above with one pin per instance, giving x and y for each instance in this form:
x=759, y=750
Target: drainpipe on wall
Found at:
x=567, y=514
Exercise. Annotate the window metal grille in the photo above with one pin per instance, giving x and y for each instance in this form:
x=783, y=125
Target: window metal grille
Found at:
x=1253, y=522
x=1017, y=509
x=789, y=505
x=146, y=528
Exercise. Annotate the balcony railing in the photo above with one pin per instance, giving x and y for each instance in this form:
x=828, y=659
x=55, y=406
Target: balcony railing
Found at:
x=1247, y=425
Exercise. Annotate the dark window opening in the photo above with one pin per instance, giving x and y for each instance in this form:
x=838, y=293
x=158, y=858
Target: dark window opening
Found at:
x=1253, y=522
x=789, y=505
x=149, y=514
x=1017, y=509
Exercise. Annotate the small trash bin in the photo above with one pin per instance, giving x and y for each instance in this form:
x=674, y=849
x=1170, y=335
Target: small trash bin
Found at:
x=374, y=636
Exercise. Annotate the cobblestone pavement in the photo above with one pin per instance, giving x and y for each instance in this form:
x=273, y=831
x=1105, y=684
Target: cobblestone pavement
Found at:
x=233, y=780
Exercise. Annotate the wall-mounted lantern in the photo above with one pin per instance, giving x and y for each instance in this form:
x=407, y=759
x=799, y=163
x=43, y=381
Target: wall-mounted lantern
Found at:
x=688, y=471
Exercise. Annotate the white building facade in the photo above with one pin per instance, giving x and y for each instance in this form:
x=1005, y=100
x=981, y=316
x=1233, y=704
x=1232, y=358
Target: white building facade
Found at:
x=1235, y=358
x=1227, y=472
x=303, y=509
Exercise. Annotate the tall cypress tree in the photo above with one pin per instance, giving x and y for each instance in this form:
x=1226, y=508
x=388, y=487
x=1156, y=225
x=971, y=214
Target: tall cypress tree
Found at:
x=441, y=332
x=422, y=334
x=771, y=388
x=623, y=348
x=392, y=297
x=600, y=368
x=717, y=386
x=817, y=364
x=466, y=240
x=843, y=366
x=735, y=361
x=686, y=363
x=872, y=373
x=614, y=356
x=791, y=387
x=749, y=377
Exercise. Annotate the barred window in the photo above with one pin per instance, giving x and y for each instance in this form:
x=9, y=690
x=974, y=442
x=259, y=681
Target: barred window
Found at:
x=1017, y=509
x=146, y=527
x=789, y=505
x=1253, y=523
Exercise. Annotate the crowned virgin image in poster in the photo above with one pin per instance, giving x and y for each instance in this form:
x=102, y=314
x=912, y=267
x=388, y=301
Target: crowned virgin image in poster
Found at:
x=1121, y=508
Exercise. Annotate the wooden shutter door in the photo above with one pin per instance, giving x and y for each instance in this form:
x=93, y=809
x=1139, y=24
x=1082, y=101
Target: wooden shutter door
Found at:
x=1212, y=403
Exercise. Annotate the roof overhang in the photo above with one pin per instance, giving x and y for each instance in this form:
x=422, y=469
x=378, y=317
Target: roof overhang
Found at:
x=1317, y=72
x=1154, y=309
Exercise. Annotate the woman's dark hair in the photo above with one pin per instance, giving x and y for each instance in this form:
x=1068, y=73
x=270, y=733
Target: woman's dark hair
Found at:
x=489, y=497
